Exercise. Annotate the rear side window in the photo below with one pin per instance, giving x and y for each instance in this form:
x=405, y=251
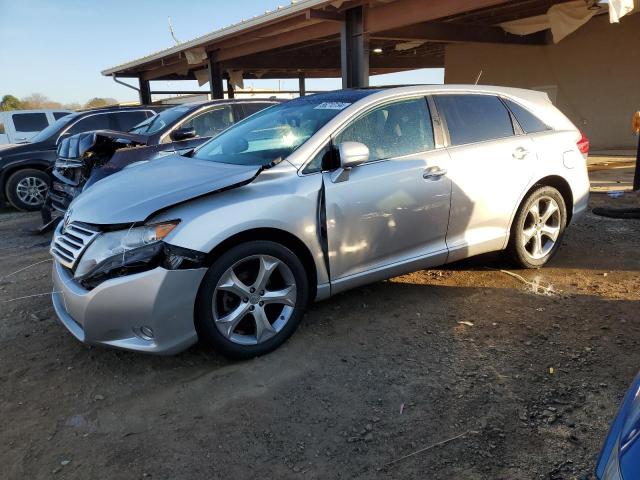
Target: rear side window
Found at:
x=29, y=122
x=474, y=118
x=125, y=121
x=393, y=130
x=100, y=121
x=527, y=120
x=59, y=115
x=211, y=122
x=251, y=108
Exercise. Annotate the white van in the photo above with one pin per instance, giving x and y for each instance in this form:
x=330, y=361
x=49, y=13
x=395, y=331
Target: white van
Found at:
x=18, y=126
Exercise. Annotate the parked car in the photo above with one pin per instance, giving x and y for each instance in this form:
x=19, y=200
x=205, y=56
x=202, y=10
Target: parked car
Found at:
x=620, y=455
x=85, y=158
x=18, y=126
x=309, y=198
x=24, y=168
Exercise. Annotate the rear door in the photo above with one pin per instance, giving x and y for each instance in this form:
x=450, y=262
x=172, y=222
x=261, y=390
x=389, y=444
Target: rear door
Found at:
x=26, y=125
x=491, y=165
x=391, y=214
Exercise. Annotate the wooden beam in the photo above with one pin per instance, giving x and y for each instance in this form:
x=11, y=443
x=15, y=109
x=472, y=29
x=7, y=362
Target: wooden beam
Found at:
x=179, y=68
x=256, y=63
x=407, y=12
x=324, y=15
x=449, y=32
x=282, y=40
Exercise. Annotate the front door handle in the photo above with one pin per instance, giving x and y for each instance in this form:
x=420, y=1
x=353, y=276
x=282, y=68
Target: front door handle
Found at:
x=519, y=153
x=434, y=173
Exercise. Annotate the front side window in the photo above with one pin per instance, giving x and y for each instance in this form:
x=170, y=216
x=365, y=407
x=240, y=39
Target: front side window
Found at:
x=99, y=121
x=271, y=134
x=474, y=118
x=393, y=130
x=30, y=122
x=163, y=119
x=211, y=122
x=527, y=120
x=59, y=115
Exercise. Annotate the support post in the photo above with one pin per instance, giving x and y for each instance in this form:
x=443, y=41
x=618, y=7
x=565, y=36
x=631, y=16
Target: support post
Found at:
x=354, y=50
x=230, y=91
x=215, y=78
x=302, y=89
x=145, y=92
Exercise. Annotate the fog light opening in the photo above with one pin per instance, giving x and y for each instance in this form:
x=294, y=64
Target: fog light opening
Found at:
x=144, y=332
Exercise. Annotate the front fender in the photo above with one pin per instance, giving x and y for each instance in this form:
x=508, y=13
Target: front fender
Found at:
x=275, y=200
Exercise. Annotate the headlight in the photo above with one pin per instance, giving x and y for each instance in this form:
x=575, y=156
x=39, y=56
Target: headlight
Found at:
x=612, y=471
x=116, y=249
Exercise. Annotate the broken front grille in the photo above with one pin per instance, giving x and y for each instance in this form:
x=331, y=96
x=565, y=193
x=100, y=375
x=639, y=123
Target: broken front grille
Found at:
x=71, y=241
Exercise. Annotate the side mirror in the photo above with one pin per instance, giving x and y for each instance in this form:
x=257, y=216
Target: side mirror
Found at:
x=183, y=133
x=352, y=154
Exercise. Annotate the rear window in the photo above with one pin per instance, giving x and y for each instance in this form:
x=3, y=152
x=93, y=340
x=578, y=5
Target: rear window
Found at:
x=527, y=120
x=29, y=122
x=474, y=118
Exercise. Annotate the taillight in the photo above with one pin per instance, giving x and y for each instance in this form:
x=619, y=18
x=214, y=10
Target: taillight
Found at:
x=583, y=144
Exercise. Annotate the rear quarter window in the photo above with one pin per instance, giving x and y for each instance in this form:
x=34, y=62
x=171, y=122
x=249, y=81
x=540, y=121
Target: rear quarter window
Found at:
x=125, y=121
x=474, y=118
x=527, y=120
x=30, y=122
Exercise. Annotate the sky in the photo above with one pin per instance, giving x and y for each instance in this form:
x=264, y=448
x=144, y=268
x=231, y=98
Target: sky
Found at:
x=59, y=47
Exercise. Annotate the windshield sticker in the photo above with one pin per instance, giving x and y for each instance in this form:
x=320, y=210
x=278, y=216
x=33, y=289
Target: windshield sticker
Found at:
x=331, y=106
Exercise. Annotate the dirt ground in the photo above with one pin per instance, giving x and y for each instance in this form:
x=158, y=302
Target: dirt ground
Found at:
x=463, y=372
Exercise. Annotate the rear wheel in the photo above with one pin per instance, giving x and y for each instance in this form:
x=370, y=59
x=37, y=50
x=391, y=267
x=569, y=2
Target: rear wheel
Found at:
x=537, y=230
x=26, y=189
x=252, y=299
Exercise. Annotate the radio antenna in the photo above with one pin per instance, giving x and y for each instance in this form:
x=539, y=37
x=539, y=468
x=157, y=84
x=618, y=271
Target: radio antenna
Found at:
x=478, y=77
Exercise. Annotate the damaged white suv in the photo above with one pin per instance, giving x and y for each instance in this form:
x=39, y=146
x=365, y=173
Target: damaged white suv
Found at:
x=307, y=199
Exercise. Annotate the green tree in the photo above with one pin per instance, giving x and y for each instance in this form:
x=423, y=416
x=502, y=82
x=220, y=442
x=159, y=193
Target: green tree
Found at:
x=98, y=102
x=9, y=102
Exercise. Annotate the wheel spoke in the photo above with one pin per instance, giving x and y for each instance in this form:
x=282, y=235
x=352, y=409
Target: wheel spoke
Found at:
x=267, y=267
x=535, y=212
x=286, y=296
x=264, y=329
x=551, y=209
x=551, y=232
x=527, y=235
x=231, y=283
x=230, y=321
x=537, y=245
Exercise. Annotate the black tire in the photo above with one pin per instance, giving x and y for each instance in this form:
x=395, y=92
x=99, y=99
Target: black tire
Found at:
x=14, y=181
x=204, y=317
x=518, y=252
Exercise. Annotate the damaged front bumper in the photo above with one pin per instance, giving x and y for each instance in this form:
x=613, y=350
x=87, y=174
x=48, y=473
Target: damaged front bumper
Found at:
x=151, y=311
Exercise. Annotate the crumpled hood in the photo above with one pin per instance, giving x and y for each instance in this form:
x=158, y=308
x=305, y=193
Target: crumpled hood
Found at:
x=135, y=193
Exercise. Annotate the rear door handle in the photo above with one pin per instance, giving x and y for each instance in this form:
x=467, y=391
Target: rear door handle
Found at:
x=519, y=153
x=434, y=173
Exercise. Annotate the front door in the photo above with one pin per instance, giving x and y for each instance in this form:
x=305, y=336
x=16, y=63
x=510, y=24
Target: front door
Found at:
x=391, y=214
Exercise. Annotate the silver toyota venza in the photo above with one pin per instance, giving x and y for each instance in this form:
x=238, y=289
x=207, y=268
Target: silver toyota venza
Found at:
x=230, y=242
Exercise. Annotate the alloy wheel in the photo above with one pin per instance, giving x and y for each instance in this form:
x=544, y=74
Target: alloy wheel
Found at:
x=32, y=191
x=254, y=299
x=541, y=227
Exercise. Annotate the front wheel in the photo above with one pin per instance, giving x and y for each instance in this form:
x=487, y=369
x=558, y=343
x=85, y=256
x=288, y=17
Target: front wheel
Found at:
x=537, y=229
x=26, y=189
x=251, y=299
